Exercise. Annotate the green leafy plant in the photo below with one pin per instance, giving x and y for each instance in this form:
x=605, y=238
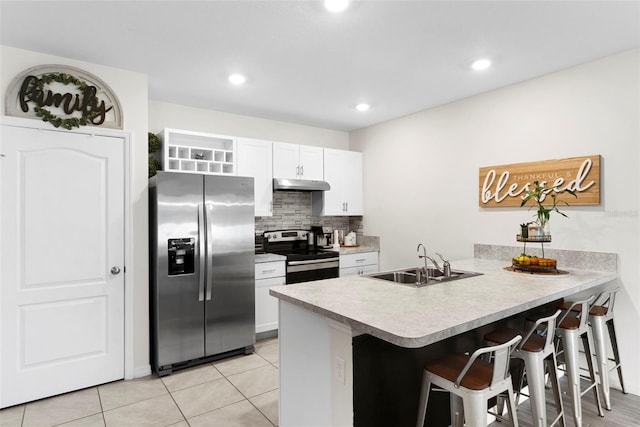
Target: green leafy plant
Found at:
x=539, y=194
x=154, y=146
x=154, y=143
x=48, y=116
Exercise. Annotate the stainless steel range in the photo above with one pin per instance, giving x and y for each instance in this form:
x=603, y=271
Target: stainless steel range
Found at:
x=304, y=262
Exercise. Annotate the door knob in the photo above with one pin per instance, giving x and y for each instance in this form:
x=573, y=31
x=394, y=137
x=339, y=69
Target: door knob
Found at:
x=115, y=270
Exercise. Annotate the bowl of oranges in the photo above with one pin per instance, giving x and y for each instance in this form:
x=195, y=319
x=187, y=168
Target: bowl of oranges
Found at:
x=533, y=263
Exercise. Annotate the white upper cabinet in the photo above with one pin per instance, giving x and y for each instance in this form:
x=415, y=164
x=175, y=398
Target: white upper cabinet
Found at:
x=295, y=161
x=343, y=171
x=197, y=152
x=255, y=160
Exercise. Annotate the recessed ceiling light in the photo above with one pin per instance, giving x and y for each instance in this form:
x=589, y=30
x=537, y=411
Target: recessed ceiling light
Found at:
x=481, y=64
x=336, y=5
x=237, y=79
x=362, y=107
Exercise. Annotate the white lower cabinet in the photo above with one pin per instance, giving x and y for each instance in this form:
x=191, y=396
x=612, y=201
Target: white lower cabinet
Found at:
x=358, y=264
x=268, y=274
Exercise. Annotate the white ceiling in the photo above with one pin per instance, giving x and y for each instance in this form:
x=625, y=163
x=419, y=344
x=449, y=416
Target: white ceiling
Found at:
x=309, y=66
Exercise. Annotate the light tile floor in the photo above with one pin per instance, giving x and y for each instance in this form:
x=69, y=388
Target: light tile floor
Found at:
x=241, y=391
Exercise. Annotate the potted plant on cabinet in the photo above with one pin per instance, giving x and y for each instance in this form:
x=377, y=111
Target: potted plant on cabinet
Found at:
x=539, y=194
x=154, y=146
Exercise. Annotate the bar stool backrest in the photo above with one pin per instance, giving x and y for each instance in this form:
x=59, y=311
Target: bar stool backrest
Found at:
x=547, y=324
x=608, y=302
x=583, y=315
x=500, y=354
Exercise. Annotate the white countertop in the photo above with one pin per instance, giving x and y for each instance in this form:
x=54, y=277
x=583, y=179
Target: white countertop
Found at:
x=269, y=257
x=415, y=317
x=355, y=250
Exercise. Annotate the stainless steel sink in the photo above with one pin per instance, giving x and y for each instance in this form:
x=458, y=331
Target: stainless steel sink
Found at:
x=410, y=277
x=397, y=276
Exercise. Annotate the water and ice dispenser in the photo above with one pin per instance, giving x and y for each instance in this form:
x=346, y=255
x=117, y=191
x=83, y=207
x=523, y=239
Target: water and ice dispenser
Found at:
x=181, y=256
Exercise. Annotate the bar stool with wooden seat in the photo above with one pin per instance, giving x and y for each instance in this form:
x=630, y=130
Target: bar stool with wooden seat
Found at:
x=570, y=328
x=473, y=381
x=601, y=314
x=535, y=350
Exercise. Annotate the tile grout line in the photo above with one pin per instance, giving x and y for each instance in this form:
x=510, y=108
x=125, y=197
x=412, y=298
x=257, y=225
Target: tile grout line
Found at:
x=104, y=421
x=258, y=409
x=184, y=418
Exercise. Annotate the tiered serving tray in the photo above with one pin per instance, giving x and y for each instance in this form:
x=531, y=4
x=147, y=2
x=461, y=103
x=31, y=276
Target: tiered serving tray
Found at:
x=547, y=270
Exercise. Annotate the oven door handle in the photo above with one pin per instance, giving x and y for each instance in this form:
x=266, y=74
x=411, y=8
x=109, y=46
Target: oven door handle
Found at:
x=313, y=261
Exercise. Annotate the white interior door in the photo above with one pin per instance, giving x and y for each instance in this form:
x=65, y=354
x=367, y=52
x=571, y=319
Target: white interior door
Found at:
x=61, y=262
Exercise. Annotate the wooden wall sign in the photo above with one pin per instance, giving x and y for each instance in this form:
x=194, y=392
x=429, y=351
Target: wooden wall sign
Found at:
x=64, y=96
x=504, y=185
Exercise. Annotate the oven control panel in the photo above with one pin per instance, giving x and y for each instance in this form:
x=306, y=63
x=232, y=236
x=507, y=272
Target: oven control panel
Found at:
x=285, y=235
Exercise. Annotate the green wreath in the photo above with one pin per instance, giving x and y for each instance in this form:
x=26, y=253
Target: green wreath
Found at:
x=48, y=116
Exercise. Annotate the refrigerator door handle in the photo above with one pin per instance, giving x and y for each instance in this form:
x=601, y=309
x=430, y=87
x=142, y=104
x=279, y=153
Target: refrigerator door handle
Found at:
x=202, y=226
x=209, y=255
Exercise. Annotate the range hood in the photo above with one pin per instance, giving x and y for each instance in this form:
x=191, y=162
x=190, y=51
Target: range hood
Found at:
x=285, y=184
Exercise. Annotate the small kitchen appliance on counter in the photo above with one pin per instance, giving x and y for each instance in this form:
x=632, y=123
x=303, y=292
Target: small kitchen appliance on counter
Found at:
x=304, y=261
x=202, y=261
x=322, y=236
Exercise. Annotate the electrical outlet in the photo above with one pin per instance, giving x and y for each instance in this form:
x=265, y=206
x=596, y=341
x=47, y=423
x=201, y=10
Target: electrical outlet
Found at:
x=340, y=369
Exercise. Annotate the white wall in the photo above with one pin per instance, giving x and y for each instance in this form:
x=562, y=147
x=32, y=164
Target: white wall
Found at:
x=166, y=115
x=421, y=173
x=131, y=89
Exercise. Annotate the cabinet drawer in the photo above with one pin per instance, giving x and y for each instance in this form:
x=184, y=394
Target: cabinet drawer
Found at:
x=355, y=260
x=265, y=270
x=359, y=271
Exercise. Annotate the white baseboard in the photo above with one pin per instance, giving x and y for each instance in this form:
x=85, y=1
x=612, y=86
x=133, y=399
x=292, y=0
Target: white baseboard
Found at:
x=141, y=371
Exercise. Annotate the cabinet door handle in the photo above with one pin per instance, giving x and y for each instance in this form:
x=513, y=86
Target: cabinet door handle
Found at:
x=271, y=206
x=302, y=170
x=268, y=271
x=346, y=204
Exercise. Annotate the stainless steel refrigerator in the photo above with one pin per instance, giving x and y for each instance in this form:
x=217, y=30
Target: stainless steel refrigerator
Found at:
x=202, y=262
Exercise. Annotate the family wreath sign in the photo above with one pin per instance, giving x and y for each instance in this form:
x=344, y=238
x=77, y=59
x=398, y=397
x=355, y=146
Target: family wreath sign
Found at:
x=64, y=96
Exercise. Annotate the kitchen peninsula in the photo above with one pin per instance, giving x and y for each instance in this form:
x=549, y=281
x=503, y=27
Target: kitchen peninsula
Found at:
x=352, y=348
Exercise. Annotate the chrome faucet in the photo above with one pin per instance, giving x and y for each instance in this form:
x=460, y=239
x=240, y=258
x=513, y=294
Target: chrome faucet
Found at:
x=446, y=266
x=424, y=271
x=435, y=263
x=421, y=273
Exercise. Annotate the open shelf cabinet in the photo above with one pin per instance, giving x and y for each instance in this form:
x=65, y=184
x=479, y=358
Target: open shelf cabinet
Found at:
x=196, y=152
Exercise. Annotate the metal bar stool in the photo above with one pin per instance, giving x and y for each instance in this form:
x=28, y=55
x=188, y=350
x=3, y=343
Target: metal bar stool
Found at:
x=599, y=316
x=472, y=380
x=535, y=350
x=570, y=328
